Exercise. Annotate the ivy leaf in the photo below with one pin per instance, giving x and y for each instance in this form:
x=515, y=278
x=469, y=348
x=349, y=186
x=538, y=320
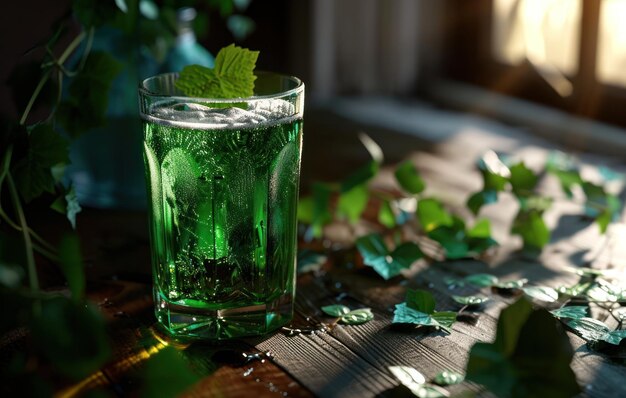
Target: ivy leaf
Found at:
x=562, y=167
x=357, y=317
x=470, y=300
x=533, y=230
x=405, y=314
x=542, y=293
x=535, y=203
x=481, y=198
x=482, y=229
x=362, y=175
x=232, y=77
x=46, y=148
x=72, y=336
x=615, y=337
x=571, y=312
x=409, y=179
x=452, y=240
x=445, y=319
x=353, y=202
x=530, y=356
x=610, y=213
x=387, y=264
x=523, y=180
x=386, y=216
x=68, y=205
x=431, y=214
x=86, y=105
x=420, y=300
x=167, y=374
x=335, y=310
x=448, y=377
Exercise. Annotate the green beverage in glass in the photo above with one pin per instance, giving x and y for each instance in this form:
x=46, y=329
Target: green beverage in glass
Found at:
x=222, y=178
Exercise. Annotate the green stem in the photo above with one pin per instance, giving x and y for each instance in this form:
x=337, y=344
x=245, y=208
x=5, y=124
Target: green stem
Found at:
x=44, y=79
x=30, y=257
x=33, y=234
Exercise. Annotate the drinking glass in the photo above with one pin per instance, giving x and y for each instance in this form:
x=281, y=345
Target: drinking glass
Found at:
x=222, y=178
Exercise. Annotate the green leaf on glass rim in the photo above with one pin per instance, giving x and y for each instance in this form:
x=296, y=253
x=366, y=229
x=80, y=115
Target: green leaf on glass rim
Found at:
x=523, y=180
x=571, y=312
x=448, y=377
x=481, y=198
x=335, y=310
x=357, y=317
x=46, y=148
x=431, y=214
x=72, y=265
x=420, y=300
x=530, y=357
x=387, y=264
x=481, y=280
x=409, y=178
x=232, y=77
x=86, y=105
x=542, y=293
x=470, y=300
x=166, y=374
x=533, y=230
x=353, y=202
x=72, y=336
x=386, y=216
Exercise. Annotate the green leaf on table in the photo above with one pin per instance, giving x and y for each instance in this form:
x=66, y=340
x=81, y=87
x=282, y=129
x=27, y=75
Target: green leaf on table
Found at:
x=452, y=240
x=420, y=300
x=409, y=178
x=448, y=377
x=609, y=213
x=431, y=214
x=470, y=300
x=495, y=173
x=530, y=356
x=167, y=374
x=232, y=77
x=514, y=284
x=481, y=198
x=46, y=148
x=335, y=310
x=444, y=318
x=571, y=312
x=309, y=260
x=542, y=293
x=523, y=180
x=386, y=216
x=615, y=337
x=589, y=328
x=481, y=280
x=72, y=336
x=86, y=105
x=353, y=202
x=357, y=317
x=532, y=229
x=563, y=168
x=405, y=314
x=360, y=176
x=482, y=229
x=72, y=265
x=387, y=264
x=535, y=203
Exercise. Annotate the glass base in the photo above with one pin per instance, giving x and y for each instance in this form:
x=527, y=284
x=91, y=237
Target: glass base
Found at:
x=223, y=324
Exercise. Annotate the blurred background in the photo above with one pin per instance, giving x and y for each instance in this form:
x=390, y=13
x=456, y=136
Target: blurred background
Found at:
x=555, y=68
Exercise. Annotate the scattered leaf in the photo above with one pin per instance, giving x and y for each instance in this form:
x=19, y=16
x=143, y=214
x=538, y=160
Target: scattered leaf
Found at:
x=386, y=216
x=571, y=312
x=387, y=264
x=431, y=214
x=448, y=377
x=481, y=280
x=361, y=176
x=357, y=317
x=470, y=300
x=533, y=230
x=167, y=374
x=589, y=328
x=420, y=300
x=481, y=198
x=523, y=180
x=353, y=202
x=336, y=310
x=409, y=179
x=542, y=293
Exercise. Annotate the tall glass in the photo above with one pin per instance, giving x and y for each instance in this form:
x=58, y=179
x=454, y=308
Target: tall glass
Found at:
x=222, y=178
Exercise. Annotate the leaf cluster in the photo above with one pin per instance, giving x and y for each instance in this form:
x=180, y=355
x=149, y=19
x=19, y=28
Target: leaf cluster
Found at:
x=419, y=309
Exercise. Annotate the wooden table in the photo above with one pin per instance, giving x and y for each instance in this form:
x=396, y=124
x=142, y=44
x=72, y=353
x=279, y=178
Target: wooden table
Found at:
x=346, y=361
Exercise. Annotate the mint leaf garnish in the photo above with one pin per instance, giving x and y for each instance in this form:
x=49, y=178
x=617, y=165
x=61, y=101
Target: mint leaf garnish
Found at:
x=232, y=77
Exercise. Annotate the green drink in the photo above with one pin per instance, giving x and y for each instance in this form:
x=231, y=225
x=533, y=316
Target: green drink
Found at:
x=223, y=188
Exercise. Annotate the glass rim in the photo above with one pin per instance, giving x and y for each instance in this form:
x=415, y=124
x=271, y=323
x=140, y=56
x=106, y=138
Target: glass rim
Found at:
x=299, y=88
